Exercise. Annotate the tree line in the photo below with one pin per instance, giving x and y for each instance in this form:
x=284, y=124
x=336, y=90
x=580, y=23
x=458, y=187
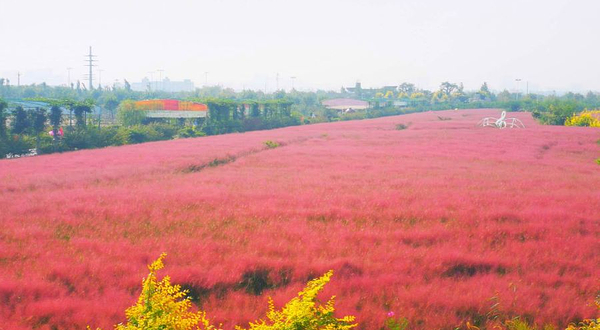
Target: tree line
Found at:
x=99, y=117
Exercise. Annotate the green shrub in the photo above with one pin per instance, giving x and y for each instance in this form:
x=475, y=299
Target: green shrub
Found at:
x=130, y=117
x=165, y=130
x=151, y=132
x=189, y=132
x=141, y=133
x=17, y=145
x=271, y=144
x=112, y=136
x=47, y=145
x=3, y=147
x=78, y=138
x=392, y=323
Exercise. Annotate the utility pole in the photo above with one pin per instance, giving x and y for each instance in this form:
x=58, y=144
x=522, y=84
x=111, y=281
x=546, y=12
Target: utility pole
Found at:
x=18, y=79
x=90, y=64
x=518, y=80
x=293, y=78
x=69, y=76
x=151, y=79
x=161, y=85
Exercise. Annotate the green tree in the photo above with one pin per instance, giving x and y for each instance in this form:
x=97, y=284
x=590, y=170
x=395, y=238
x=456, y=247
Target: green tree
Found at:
x=504, y=96
x=38, y=121
x=3, y=115
x=254, y=110
x=484, y=92
x=406, y=88
x=55, y=121
x=439, y=97
x=111, y=105
x=591, y=98
x=280, y=94
x=128, y=115
x=55, y=118
x=20, y=121
x=448, y=88
x=80, y=110
x=127, y=85
x=459, y=94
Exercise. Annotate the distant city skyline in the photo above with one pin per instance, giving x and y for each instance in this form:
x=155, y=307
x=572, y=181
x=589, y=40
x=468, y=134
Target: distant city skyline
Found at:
x=310, y=45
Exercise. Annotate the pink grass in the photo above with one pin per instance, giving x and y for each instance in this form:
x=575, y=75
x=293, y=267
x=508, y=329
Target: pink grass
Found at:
x=429, y=222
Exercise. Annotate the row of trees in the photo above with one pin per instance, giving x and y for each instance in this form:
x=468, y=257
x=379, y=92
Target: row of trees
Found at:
x=447, y=92
x=38, y=130
x=226, y=110
x=451, y=95
x=304, y=102
x=227, y=116
x=37, y=124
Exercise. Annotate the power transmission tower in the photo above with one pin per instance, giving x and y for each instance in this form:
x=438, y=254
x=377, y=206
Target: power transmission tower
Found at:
x=90, y=64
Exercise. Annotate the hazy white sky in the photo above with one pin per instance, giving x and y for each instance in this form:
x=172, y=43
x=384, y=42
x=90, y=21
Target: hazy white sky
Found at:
x=553, y=44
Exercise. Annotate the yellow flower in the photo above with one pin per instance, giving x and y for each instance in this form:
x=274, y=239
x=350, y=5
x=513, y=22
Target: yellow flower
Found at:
x=304, y=312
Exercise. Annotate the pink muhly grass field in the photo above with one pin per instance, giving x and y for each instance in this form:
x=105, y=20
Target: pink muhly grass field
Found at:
x=435, y=222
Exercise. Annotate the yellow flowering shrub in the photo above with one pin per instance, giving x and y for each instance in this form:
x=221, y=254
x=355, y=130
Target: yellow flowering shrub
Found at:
x=589, y=118
x=163, y=306
x=304, y=312
x=590, y=324
x=585, y=325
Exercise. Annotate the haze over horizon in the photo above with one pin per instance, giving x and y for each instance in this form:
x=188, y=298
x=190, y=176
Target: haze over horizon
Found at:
x=326, y=45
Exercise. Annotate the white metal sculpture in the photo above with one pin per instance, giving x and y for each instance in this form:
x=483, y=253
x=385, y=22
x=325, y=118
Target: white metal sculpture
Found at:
x=501, y=122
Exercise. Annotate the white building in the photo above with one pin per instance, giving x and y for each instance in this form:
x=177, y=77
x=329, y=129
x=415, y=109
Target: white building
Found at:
x=165, y=85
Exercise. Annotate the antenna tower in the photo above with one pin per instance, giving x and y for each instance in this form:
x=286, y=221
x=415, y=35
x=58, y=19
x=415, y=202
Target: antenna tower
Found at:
x=90, y=64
